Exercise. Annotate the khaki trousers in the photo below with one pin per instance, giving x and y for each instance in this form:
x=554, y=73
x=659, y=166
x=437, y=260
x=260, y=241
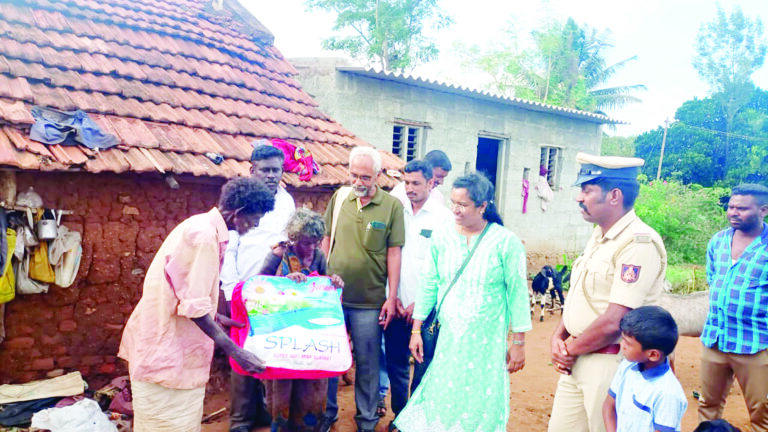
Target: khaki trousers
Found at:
x=578, y=405
x=717, y=372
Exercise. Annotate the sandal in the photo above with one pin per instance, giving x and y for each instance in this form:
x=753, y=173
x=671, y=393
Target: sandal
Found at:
x=381, y=410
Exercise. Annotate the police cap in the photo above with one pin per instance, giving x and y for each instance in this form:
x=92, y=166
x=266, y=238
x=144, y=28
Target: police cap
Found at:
x=614, y=167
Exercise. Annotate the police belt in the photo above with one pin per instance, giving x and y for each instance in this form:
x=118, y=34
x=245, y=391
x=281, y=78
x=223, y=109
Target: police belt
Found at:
x=608, y=349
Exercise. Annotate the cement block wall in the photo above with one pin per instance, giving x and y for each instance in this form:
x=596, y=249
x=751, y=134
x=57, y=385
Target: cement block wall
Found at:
x=123, y=221
x=368, y=107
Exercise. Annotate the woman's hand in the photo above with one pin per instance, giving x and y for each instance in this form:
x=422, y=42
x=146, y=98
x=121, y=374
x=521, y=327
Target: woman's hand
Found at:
x=337, y=281
x=515, y=358
x=417, y=347
x=297, y=277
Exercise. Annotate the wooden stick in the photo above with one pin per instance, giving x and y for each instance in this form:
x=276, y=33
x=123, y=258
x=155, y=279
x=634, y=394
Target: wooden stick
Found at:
x=214, y=415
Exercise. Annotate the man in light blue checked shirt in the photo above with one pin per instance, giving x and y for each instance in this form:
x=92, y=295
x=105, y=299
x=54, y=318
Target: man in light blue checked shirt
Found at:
x=735, y=335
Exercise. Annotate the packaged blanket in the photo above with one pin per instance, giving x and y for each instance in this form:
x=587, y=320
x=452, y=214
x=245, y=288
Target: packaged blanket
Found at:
x=297, y=328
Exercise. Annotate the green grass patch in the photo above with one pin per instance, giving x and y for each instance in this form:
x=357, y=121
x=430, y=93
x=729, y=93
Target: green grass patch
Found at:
x=687, y=278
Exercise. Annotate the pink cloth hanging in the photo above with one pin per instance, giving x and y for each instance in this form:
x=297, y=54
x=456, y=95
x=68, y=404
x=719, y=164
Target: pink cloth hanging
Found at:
x=526, y=189
x=297, y=159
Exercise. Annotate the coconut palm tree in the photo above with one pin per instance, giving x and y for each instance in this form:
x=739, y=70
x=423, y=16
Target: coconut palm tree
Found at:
x=565, y=67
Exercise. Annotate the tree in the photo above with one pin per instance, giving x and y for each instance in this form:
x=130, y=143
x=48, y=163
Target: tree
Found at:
x=387, y=32
x=565, y=66
x=728, y=51
x=617, y=146
x=696, y=140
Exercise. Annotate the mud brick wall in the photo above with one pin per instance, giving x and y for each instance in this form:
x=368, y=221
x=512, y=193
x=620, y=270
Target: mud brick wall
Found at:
x=123, y=221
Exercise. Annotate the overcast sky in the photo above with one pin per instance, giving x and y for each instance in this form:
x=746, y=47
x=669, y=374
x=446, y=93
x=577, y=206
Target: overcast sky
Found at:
x=661, y=33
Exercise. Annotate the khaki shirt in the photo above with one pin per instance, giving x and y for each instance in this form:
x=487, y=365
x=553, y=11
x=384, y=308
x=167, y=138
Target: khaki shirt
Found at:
x=359, y=250
x=626, y=266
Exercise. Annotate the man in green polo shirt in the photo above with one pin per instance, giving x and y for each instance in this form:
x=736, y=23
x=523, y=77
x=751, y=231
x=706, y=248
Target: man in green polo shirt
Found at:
x=363, y=243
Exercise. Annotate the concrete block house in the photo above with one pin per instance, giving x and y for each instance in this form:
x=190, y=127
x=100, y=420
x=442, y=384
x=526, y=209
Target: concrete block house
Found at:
x=506, y=138
x=172, y=80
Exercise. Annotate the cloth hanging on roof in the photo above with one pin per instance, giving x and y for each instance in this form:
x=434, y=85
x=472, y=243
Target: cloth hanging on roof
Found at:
x=68, y=128
x=297, y=159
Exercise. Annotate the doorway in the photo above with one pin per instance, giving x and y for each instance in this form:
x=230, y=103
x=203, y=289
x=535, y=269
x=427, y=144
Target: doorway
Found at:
x=487, y=161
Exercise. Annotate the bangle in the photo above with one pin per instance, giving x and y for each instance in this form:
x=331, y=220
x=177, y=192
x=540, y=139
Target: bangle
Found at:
x=415, y=331
x=518, y=342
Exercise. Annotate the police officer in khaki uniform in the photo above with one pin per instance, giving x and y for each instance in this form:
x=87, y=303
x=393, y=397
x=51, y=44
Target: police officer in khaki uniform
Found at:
x=622, y=268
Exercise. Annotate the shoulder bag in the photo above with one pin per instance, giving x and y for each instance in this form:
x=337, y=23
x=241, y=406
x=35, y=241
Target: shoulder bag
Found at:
x=430, y=328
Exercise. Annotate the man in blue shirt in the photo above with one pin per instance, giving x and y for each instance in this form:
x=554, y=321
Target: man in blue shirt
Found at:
x=735, y=335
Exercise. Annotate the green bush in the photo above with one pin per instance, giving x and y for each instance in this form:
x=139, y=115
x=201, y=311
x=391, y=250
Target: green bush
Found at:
x=686, y=217
x=687, y=278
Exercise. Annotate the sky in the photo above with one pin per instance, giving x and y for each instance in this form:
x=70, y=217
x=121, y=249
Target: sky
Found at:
x=661, y=33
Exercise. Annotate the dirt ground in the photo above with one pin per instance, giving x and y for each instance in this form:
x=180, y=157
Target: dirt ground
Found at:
x=533, y=390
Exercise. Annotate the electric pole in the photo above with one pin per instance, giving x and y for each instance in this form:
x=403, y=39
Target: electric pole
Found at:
x=663, y=144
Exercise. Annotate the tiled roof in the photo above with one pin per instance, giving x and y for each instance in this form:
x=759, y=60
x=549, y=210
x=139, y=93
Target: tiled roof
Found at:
x=172, y=79
x=478, y=94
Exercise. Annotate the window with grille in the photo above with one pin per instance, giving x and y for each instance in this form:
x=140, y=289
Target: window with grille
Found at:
x=550, y=158
x=405, y=141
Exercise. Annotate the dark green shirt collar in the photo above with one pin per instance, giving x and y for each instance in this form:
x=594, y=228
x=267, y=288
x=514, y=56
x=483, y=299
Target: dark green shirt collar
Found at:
x=377, y=198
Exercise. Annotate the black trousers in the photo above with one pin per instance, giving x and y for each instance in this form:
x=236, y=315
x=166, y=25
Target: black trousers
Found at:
x=247, y=405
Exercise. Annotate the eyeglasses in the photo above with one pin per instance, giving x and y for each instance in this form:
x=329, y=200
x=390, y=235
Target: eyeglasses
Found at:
x=458, y=206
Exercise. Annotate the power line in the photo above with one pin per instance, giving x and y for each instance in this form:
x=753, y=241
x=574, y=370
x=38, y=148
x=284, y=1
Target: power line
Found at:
x=733, y=135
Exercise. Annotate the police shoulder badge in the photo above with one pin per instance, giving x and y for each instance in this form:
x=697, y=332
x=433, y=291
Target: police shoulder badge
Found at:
x=630, y=273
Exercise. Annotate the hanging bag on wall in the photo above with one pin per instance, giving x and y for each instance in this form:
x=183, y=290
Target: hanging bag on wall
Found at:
x=39, y=266
x=8, y=279
x=65, y=253
x=25, y=284
x=25, y=240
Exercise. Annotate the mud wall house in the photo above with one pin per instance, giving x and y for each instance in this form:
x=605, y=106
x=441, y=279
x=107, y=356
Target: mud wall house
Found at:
x=506, y=138
x=172, y=80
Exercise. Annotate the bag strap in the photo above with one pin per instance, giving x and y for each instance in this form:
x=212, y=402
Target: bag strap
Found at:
x=341, y=195
x=463, y=266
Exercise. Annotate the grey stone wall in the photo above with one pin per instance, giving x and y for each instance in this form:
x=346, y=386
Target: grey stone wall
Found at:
x=369, y=107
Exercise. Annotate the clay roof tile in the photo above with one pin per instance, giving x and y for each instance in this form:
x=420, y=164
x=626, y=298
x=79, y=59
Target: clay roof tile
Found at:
x=20, y=89
x=68, y=155
x=15, y=112
x=167, y=82
x=53, y=20
x=106, y=65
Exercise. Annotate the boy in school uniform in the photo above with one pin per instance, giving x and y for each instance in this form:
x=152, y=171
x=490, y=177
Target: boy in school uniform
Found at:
x=645, y=395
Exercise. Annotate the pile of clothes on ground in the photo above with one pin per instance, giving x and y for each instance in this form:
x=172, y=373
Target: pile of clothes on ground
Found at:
x=65, y=404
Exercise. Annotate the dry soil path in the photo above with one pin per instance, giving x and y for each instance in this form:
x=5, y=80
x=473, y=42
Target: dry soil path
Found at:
x=533, y=389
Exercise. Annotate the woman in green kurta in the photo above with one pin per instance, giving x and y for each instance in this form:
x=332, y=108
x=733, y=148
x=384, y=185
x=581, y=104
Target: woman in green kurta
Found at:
x=466, y=388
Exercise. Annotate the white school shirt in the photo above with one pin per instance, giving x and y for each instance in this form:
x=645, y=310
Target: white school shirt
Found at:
x=649, y=400
x=245, y=253
x=433, y=214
